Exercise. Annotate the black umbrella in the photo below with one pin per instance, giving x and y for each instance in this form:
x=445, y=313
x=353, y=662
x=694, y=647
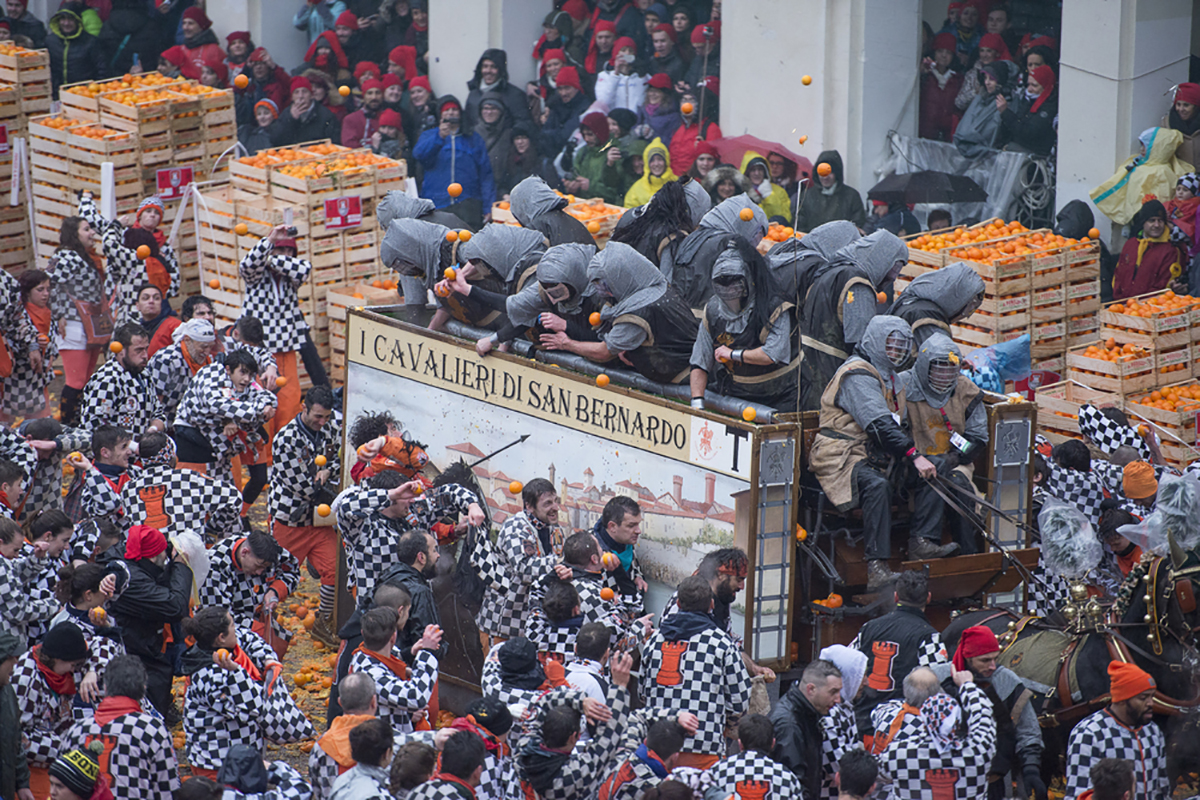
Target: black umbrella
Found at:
x=927, y=186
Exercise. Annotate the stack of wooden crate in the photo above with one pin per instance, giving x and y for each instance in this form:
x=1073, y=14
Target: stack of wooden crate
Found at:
x=291, y=186
x=24, y=93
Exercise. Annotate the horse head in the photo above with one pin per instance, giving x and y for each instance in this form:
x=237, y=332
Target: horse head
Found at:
x=401, y=454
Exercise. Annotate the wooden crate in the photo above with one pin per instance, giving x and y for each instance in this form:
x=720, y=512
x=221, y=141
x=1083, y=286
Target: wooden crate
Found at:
x=1164, y=327
x=149, y=111
x=1122, y=377
x=20, y=66
x=310, y=192
x=1178, y=425
x=1058, y=404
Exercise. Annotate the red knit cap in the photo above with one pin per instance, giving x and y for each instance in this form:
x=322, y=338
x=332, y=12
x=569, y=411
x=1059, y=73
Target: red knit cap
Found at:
x=144, y=542
x=713, y=31
x=391, y=79
x=373, y=83
x=346, y=19
x=669, y=30
x=197, y=16
x=364, y=68
x=945, y=41
x=300, y=82
x=420, y=80
x=568, y=76
x=390, y=118
x=976, y=641
x=1188, y=93
x=1127, y=680
x=554, y=52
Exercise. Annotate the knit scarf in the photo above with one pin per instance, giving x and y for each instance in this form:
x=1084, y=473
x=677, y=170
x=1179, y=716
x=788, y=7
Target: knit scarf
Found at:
x=1145, y=242
x=193, y=366
x=41, y=317
x=111, y=708
x=448, y=778
x=59, y=684
x=242, y=660
x=396, y=665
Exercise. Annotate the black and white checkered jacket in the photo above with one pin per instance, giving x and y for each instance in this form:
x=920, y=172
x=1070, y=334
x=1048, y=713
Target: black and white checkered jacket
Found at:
x=288, y=782
x=511, y=696
x=169, y=375
x=441, y=789
x=44, y=489
x=1102, y=735
x=705, y=675
x=262, y=356
x=101, y=495
x=371, y=538
x=14, y=448
x=672, y=607
x=748, y=774
x=523, y=560
x=126, y=270
x=74, y=278
x=242, y=593
x=590, y=761
x=293, y=470
x=102, y=648
x=629, y=777
x=21, y=605
x=916, y=766
x=559, y=640
x=25, y=388
x=841, y=736
x=271, y=284
x=210, y=402
x=114, y=396
x=399, y=698
x=45, y=716
x=178, y=500
x=138, y=757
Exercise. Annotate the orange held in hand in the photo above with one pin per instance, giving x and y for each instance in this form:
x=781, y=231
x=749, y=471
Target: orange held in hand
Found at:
x=610, y=560
x=607, y=594
x=98, y=615
x=454, y=189
x=881, y=297
x=143, y=251
x=344, y=91
x=593, y=227
x=220, y=655
x=281, y=381
x=746, y=214
x=241, y=229
x=515, y=487
x=320, y=461
x=323, y=510
x=450, y=273
x=241, y=81
x=602, y=380
x=214, y=284
x=824, y=169
x=451, y=236
x=464, y=236
x=115, y=347
x=687, y=108
x=594, y=318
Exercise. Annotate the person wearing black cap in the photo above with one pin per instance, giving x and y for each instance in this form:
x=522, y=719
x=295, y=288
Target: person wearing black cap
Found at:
x=491, y=720
x=45, y=683
x=491, y=80
x=75, y=775
x=1150, y=260
x=14, y=769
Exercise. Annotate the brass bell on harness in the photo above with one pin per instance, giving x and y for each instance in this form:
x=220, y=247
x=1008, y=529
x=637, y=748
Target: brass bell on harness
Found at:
x=1147, y=619
x=1012, y=626
x=1078, y=591
x=1070, y=612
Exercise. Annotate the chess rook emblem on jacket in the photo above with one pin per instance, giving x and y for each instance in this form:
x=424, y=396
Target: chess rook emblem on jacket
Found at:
x=152, y=497
x=941, y=783
x=668, y=673
x=880, y=678
x=752, y=790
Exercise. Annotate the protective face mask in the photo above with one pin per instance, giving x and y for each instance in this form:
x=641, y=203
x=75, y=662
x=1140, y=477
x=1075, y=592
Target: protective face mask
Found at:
x=942, y=376
x=729, y=292
x=558, y=293
x=898, y=348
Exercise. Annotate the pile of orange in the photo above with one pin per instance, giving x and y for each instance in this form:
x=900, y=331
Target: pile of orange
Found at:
x=1109, y=350
x=833, y=601
x=141, y=98
x=323, y=149
x=126, y=81
x=195, y=89
x=280, y=155
x=934, y=242
x=9, y=47
x=781, y=233
x=381, y=284
x=1167, y=301
x=58, y=123
x=98, y=132
x=1172, y=398
x=588, y=209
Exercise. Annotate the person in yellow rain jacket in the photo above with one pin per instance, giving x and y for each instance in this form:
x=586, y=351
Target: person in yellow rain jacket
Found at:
x=772, y=197
x=658, y=174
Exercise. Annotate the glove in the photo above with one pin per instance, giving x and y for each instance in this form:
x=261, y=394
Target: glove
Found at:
x=888, y=435
x=1032, y=774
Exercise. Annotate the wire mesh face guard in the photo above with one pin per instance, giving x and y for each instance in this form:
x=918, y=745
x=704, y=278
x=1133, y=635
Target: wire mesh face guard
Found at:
x=729, y=289
x=898, y=347
x=557, y=292
x=943, y=374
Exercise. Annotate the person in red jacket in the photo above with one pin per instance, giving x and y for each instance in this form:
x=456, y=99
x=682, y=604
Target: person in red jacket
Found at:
x=358, y=127
x=940, y=85
x=267, y=82
x=326, y=54
x=402, y=62
x=695, y=129
x=1149, y=260
x=200, y=44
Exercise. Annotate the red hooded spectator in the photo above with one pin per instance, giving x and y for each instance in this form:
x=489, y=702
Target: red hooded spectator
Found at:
x=199, y=43
x=599, y=54
x=940, y=85
x=402, y=62
x=365, y=70
x=326, y=54
x=694, y=130
x=326, y=93
x=215, y=74
x=358, y=127
x=994, y=41
x=238, y=47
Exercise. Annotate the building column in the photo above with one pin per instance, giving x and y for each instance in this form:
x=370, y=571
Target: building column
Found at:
x=856, y=51
x=460, y=30
x=1120, y=59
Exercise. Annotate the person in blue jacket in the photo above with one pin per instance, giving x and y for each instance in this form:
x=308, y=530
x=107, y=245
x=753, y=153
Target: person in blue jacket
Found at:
x=450, y=156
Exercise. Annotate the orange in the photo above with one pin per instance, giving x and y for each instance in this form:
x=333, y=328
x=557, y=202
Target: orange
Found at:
x=610, y=560
x=746, y=214
x=803, y=139
x=607, y=594
x=241, y=229
x=749, y=414
x=801, y=534
x=687, y=108
x=221, y=655
x=344, y=91
x=880, y=297
x=824, y=169
x=214, y=284
x=806, y=80
x=116, y=347
x=833, y=601
x=320, y=461
x=281, y=381
x=241, y=81
x=1094, y=233
x=464, y=236
x=593, y=227
x=594, y=318
x=602, y=380
x=451, y=236
x=98, y=615
x=450, y=273
x=454, y=189
x=515, y=487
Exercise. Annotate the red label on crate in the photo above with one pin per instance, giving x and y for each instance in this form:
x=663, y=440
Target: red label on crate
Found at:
x=172, y=182
x=343, y=212
x=1039, y=377
x=4, y=148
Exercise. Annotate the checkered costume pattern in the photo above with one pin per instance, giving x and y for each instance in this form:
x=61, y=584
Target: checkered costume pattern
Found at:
x=101, y=494
x=20, y=608
x=1084, y=490
x=916, y=765
x=493, y=687
x=14, y=448
x=262, y=356
x=182, y=500
x=25, y=388
x=102, y=649
x=114, y=396
x=930, y=651
x=293, y=470
x=751, y=769
x=126, y=270
x=559, y=640
x=590, y=761
x=672, y=607
x=289, y=785
x=44, y=489
x=242, y=593
x=705, y=675
x=371, y=538
x=841, y=736
x=499, y=779
x=169, y=374
x=523, y=560
x=631, y=600
x=1101, y=735
x=400, y=698
x=631, y=776
x=271, y=283
x=210, y=402
x=441, y=789
x=74, y=278
x=882, y=718
x=323, y=769
x=1108, y=435
x=138, y=758
x=45, y=716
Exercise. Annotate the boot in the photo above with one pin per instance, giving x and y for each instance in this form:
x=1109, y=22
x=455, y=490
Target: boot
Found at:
x=922, y=549
x=324, y=633
x=878, y=575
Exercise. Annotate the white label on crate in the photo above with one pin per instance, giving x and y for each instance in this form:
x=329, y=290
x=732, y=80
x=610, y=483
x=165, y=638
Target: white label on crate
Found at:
x=1085, y=289
x=343, y=212
x=172, y=182
x=1172, y=322
x=1017, y=302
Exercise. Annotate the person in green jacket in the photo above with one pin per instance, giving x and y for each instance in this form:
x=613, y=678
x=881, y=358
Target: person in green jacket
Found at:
x=657, y=159
x=14, y=767
x=772, y=197
x=827, y=198
x=597, y=161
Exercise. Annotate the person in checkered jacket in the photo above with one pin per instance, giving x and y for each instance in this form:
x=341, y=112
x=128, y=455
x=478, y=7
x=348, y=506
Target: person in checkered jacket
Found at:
x=82, y=590
x=194, y=307
x=45, y=683
x=555, y=620
x=331, y=755
x=402, y=694
x=932, y=759
x=690, y=663
x=896, y=718
x=1123, y=729
x=273, y=274
x=251, y=575
x=54, y=530
x=463, y=759
x=649, y=750
x=528, y=546
x=118, y=393
x=225, y=704
x=752, y=768
x=1072, y=479
x=618, y=531
x=22, y=566
x=177, y=500
x=492, y=721
x=247, y=334
x=30, y=330
x=512, y=673
x=50, y=439
x=221, y=415
x=305, y=473
x=840, y=725
x=138, y=757
x=551, y=760
x=77, y=277
x=171, y=369
x=244, y=775
x=101, y=482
